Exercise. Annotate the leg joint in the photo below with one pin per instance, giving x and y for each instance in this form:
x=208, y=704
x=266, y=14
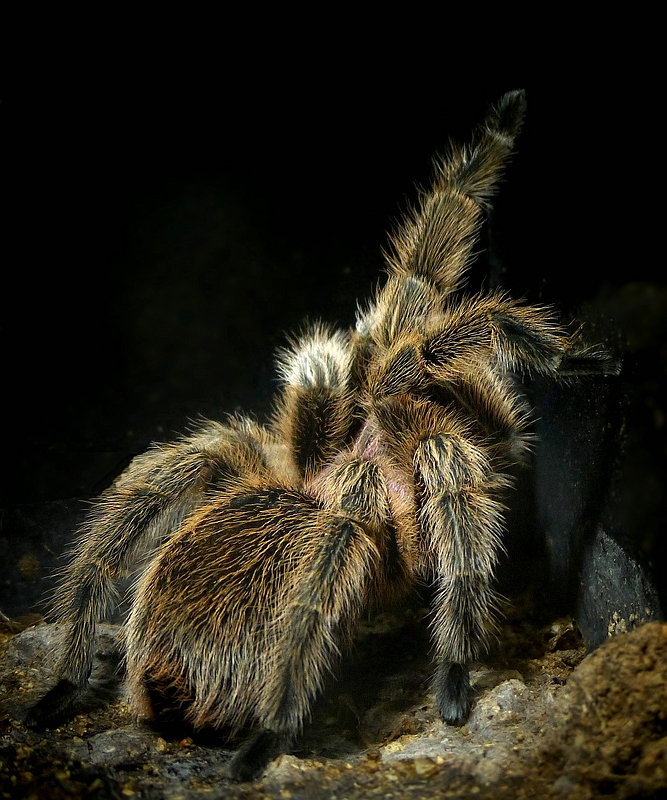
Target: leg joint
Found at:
x=449, y=463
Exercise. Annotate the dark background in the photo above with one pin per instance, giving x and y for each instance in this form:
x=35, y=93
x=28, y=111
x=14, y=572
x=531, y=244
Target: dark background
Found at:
x=164, y=236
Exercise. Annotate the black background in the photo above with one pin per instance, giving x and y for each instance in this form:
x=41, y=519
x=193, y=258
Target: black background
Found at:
x=165, y=232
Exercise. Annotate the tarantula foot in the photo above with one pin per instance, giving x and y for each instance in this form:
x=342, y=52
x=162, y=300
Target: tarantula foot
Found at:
x=453, y=692
x=254, y=754
x=56, y=706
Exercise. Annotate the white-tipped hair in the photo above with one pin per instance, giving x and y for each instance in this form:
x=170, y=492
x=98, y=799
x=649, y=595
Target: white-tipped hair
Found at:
x=319, y=357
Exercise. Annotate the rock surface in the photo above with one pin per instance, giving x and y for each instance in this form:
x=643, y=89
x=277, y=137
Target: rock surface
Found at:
x=547, y=722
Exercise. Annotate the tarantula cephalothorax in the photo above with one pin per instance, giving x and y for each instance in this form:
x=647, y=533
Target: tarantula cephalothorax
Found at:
x=381, y=466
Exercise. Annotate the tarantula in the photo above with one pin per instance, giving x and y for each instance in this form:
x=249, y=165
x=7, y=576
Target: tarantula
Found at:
x=382, y=465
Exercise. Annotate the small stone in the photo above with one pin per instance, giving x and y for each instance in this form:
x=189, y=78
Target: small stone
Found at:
x=425, y=767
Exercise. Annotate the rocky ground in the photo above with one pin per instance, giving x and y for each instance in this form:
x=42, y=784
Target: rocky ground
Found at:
x=547, y=722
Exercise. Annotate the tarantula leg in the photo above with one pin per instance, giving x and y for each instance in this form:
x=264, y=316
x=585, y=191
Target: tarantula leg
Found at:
x=325, y=600
x=329, y=589
x=436, y=240
x=501, y=413
x=55, y=707
x=433, y=248
x=314, y=411
x=255, y=754
x=513, y=335
x=588, y=361
x=451, y=684
x=462, y=525
x=145, y=504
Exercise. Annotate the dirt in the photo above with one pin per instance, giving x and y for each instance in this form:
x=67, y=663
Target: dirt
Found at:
x=548, y=721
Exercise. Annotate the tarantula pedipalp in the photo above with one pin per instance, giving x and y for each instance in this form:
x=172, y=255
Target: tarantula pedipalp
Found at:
x=382, y=465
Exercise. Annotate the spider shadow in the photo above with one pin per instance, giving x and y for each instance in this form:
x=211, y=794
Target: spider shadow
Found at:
x=377, y=689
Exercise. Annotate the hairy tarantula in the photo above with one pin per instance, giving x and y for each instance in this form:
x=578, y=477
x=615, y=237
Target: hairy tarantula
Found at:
x=381, y=466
